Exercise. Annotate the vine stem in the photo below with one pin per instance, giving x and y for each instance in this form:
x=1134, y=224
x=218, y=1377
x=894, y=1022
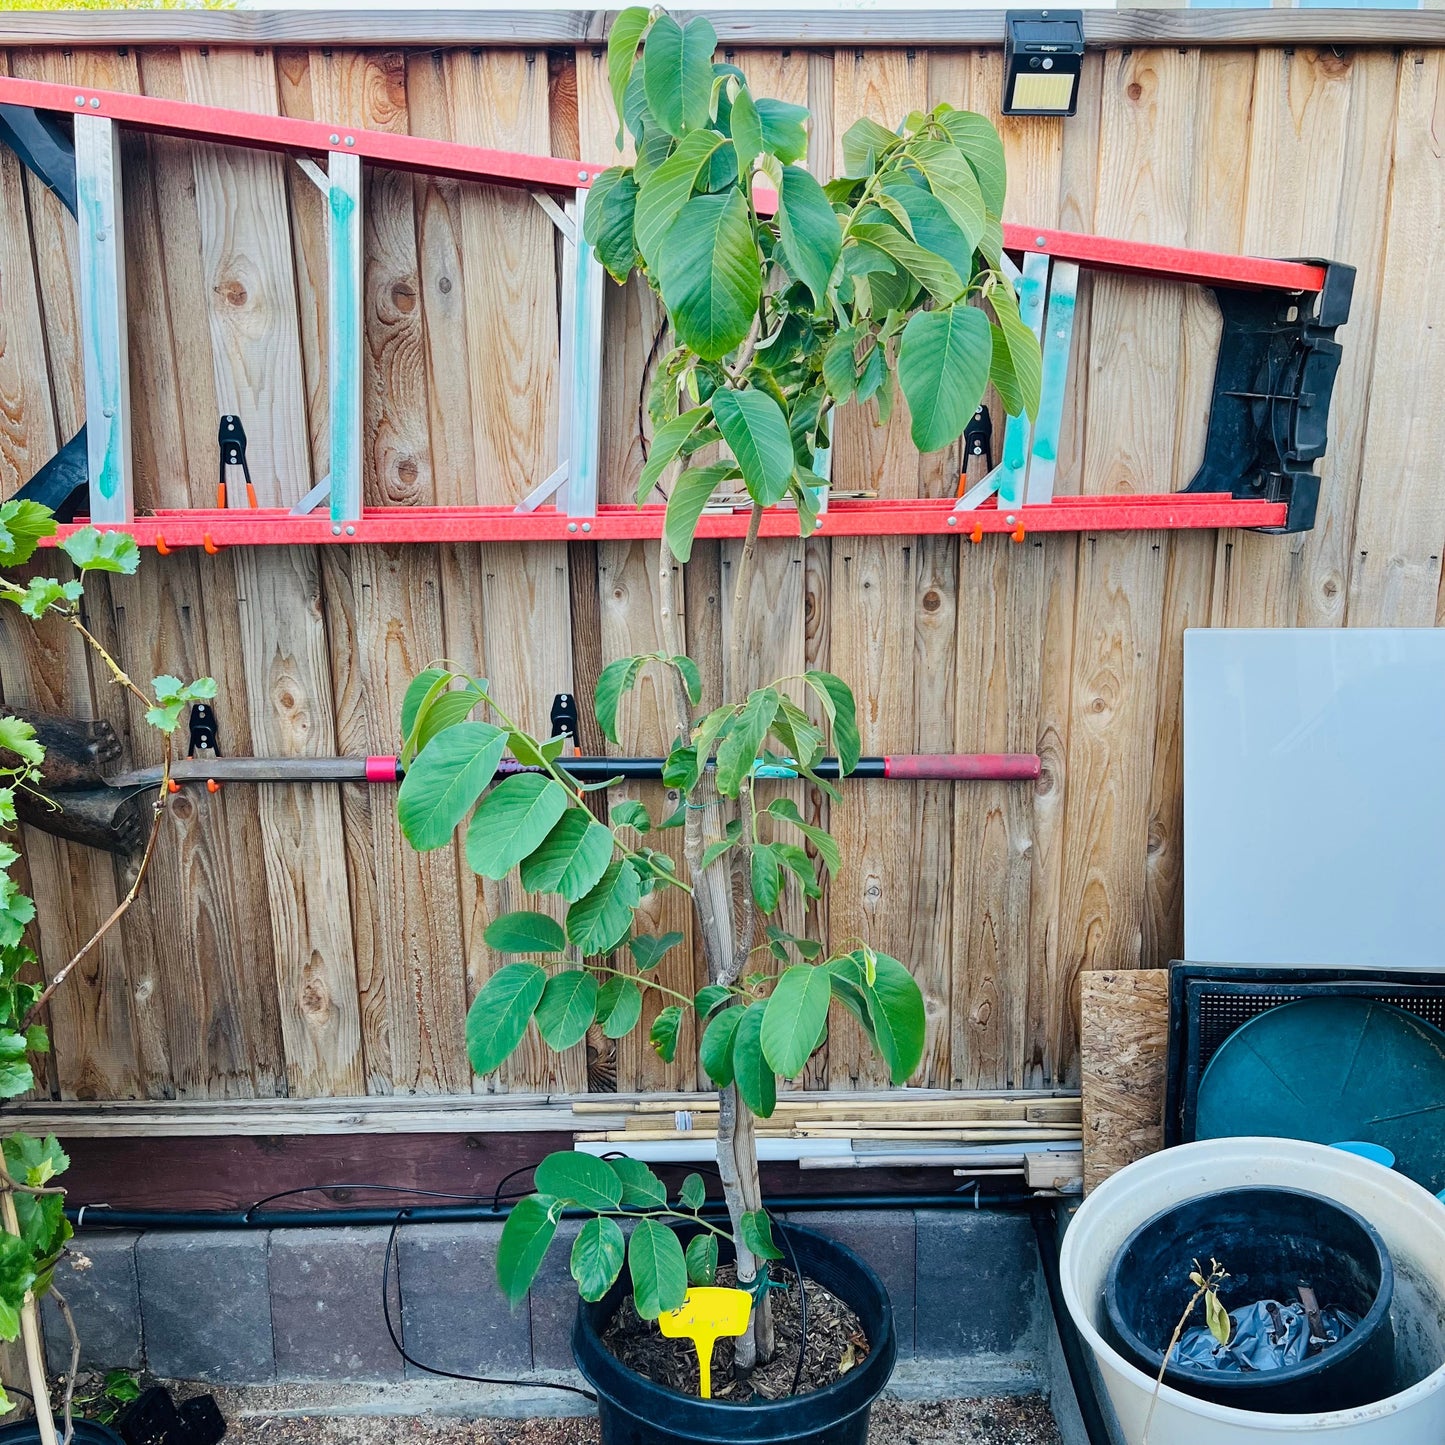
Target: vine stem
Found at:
x=65, y=1314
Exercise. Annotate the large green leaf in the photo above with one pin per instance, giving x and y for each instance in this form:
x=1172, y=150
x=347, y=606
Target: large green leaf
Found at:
x=976, y=137
x=756, y=431
x=609, y=220
x=565, y=1011
x=597, y=1256
x=896, y=1006
x=932, y=226
x=416, y=691
x=526, y=1236
x=445, y=711
x=658, y=1268
x=752, y=1073
x=823, y=841
x=619, y=1006
x=757, y=1232
x=842, y=712
x=943, y=362
x=747, y=130
x=785, y=132
x=444, y=781
x=22, y=524
x=626, y=35
x=663, y=1034
x=523, y=931
x=571, y=859
x=668, y=188
x=812, y=241
x=667, y=442
x=599, y=920
x=795, y=1018
x=1016, y=368
x=690, y=494
x=930, y=269
x=512, y=820
x=498, y=1016
x=953, y=181
x=709, y=274
x=701, y=1256
x=739, y=750
x=95, y=551
x=581, y=1179
x=641, y=1188
x=765, y=876
x=614, y=682
x=677, y=72
x=648, y=950
x=716, y=1049
x=863, y=142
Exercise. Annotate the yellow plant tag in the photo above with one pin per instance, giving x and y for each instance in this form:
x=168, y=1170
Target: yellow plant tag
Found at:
x=708, y=1314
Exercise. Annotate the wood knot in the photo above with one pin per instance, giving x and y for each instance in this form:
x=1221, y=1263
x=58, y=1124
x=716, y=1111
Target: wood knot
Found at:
x=1135, y=90
x=444, y=285
x=931, y=601
x=403, y=297
x=233, y=292
x=407, y=470
x=1331, y=588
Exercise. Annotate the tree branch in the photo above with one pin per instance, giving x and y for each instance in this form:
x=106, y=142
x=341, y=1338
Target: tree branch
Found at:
x=69, y=1319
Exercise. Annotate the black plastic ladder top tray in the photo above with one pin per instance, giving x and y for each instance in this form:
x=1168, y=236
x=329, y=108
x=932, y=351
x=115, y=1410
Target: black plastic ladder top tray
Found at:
x=1208, y=1001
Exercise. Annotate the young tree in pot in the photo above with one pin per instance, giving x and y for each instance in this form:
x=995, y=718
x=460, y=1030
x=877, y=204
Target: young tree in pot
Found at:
x=35, y=1230
x=781, y=309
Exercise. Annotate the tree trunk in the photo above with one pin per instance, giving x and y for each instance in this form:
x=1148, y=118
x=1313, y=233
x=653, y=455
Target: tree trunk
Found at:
x=30, y=1333
x=726, y=923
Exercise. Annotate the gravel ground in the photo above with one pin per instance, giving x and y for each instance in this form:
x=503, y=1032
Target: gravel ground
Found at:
x=1003, y=1420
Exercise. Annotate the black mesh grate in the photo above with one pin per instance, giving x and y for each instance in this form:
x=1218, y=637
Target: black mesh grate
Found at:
x=1208, y=1002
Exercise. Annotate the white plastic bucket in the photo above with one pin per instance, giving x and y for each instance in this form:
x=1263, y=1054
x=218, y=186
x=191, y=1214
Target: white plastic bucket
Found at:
x=1410, y=1220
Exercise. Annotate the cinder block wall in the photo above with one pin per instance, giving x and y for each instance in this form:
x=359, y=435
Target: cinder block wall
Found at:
x=252, y=1308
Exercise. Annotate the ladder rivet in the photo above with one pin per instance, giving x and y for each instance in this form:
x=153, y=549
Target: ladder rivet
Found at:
x=1039, y=241
x=110, y=411
x=351, y=140
x=335, y=531
x=100, y=235
x=586, y=526
x=583, y=175
x=351, y=531
x=571, y=526
x=80, y=100
x=1010, y=519
x=95, y=102
x=953, y=521
x=336, y=140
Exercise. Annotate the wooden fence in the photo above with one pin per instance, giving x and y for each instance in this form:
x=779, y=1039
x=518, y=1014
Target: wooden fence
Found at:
x=289, y=942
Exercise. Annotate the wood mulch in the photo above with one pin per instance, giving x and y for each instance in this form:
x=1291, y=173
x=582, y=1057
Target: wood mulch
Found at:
x=835, y=1344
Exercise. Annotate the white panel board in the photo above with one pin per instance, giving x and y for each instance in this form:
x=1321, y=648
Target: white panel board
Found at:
x=1314, y=796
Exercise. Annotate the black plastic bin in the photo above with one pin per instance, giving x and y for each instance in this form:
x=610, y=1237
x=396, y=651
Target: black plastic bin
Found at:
x=635, y=1411
x=1270, y=1241
x=87, y=1432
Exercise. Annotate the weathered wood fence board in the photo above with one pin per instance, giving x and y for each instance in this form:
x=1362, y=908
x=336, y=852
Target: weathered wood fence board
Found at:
x=291, y=942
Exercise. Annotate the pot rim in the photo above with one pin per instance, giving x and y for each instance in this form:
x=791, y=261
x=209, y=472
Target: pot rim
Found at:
x=855, y=1391
x=1248, y=1384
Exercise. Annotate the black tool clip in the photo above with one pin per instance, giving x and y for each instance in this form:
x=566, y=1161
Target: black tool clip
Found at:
x=232, y=439
x=978, y=437
x=202, y=724
x=564, y=718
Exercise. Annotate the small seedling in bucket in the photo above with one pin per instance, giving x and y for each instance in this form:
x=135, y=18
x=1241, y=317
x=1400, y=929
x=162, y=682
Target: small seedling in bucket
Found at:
x=1206, y=1287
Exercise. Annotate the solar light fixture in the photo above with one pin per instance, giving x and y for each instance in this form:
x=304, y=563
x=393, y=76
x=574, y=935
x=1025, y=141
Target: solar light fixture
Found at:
x=1042, y=56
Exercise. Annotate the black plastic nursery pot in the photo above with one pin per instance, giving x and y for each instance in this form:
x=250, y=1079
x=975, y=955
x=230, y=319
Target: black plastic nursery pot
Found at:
x=1270, y=1241
x=87, y=1432
x=635, y=1411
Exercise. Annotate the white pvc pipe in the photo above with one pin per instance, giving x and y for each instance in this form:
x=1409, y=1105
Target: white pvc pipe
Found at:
x=1410, y=1220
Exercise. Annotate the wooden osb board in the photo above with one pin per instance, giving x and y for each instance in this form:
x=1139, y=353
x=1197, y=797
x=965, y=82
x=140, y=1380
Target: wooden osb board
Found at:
x=1124, y=1044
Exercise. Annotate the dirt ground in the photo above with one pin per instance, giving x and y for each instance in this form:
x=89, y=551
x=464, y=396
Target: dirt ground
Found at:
x=999, y=1421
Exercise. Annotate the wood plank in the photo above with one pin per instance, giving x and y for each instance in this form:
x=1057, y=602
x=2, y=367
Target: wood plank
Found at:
x=1400, y=529
x=1000, y=651
x=508, y=256
x=1146, y=132
x=827, y=27
x=1124, y=1042
x=247, y=260
x=1046, y=1059
x=384, y=611
x=1216, y=221
x=872, y=636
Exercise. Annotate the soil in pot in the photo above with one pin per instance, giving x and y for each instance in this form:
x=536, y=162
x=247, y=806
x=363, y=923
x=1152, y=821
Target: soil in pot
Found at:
x=835, y=1344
